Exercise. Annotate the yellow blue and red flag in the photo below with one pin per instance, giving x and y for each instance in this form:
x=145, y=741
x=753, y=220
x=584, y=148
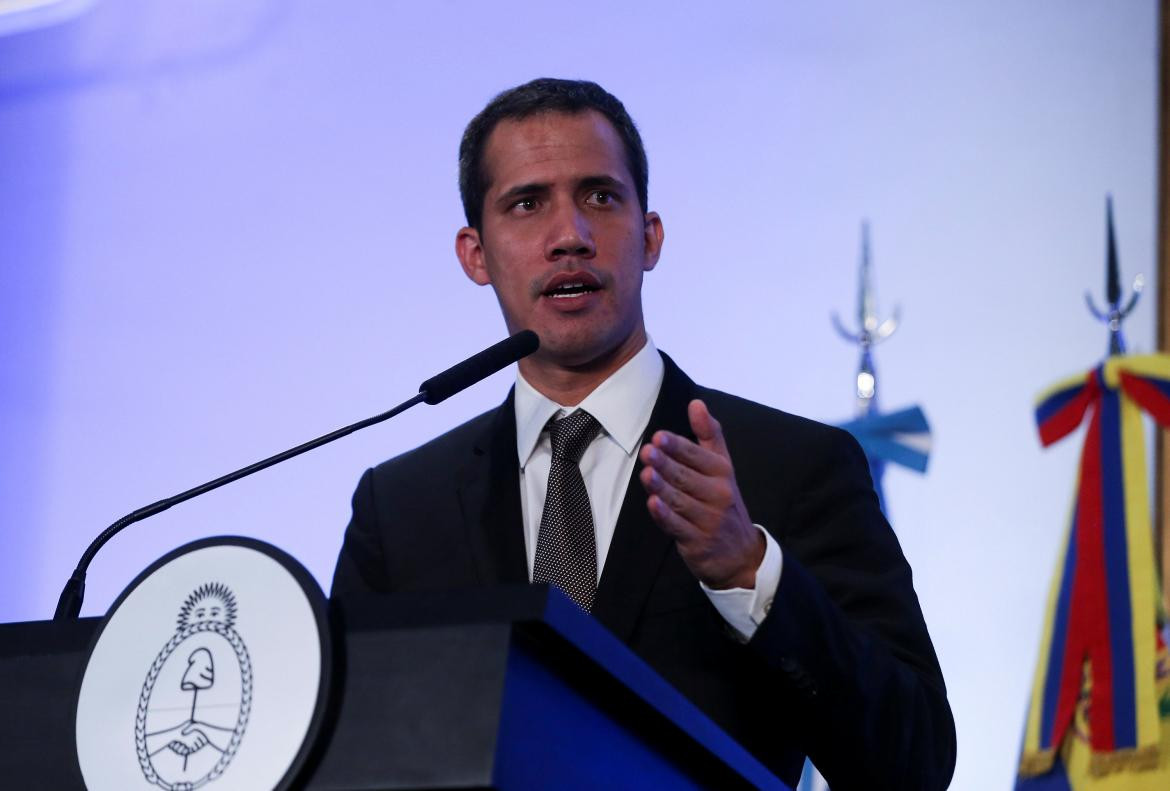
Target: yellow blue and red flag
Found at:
x=1099, y=716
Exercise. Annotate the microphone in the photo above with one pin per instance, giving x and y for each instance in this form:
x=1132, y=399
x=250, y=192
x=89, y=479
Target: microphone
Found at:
x=438, y=388
x=480, y=366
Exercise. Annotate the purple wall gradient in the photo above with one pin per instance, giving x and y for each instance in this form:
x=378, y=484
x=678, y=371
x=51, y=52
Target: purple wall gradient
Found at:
x=227, y=227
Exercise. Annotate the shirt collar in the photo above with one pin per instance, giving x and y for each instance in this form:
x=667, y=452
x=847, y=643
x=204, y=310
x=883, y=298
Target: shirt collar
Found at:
x=622, y=404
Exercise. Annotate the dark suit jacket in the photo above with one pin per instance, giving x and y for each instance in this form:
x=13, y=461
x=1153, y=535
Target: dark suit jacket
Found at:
x=842, y=669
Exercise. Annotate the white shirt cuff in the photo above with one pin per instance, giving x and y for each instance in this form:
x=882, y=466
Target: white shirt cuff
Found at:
x=744, y=609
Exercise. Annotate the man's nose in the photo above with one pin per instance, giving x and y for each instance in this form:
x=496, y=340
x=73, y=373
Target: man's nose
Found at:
x=570, y=235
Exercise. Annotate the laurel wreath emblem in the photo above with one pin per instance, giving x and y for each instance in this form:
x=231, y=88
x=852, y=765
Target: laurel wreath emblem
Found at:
x=156, y=667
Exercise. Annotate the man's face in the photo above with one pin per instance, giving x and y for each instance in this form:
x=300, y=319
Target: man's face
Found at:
x=563, y=239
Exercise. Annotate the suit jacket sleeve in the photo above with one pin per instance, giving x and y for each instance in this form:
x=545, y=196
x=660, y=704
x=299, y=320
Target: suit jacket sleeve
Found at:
x=360, y=565
x=846, y=631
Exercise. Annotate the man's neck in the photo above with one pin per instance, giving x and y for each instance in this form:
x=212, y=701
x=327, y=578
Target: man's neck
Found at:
x=569, y=385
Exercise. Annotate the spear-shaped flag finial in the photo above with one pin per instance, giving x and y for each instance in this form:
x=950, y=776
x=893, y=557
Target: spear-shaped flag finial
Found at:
x=1114, y=313
x=871, y=330
x=1112, y=273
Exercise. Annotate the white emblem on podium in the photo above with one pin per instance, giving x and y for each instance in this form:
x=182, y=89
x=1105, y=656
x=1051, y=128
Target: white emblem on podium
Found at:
x=182, y=744
x=211, y=671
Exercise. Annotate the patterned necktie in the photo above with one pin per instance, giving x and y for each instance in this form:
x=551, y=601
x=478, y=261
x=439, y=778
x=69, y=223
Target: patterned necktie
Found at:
x=566, y=551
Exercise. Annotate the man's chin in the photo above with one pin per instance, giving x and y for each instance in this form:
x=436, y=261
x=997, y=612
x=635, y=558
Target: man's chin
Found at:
x=580, y=353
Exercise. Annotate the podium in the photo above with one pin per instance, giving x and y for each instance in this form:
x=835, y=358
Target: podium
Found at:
x=501, y=688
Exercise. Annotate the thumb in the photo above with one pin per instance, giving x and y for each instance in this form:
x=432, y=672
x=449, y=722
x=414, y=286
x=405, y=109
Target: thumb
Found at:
x=707, y=429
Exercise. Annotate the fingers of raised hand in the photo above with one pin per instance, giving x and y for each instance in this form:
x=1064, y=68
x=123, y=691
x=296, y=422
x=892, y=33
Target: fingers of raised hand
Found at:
x=677, y=499
x=706, y=427
x=690, y=512
x=702, y=460
x=678, y=474
x=711, y=482
x=671, y=523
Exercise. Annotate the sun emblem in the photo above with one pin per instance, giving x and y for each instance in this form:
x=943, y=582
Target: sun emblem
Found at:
x=212, y=602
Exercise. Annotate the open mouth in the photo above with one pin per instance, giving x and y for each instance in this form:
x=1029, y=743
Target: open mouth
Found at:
x=571, y=288
x=571, y=285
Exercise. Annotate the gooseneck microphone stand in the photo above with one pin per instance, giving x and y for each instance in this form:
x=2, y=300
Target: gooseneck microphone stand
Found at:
x=432, y=391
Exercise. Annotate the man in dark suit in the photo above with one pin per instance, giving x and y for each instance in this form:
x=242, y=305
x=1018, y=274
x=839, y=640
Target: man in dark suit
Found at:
x=749, y=564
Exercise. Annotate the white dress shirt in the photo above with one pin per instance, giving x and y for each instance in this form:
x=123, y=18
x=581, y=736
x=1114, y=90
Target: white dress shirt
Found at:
x=622, y=405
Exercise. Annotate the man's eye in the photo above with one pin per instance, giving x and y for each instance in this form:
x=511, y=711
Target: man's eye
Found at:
x=601, y=197
x=525, y=204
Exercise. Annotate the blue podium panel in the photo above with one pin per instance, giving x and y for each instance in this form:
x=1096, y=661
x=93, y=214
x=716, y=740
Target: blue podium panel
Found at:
x=552, y=736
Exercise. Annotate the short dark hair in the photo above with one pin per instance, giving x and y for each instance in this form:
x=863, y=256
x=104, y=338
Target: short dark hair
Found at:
x=544, y=95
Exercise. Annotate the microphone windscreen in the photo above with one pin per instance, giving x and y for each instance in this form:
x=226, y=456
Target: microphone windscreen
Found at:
x=479, y=366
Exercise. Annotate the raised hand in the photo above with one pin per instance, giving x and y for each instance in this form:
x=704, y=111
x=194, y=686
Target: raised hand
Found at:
x=694, y=498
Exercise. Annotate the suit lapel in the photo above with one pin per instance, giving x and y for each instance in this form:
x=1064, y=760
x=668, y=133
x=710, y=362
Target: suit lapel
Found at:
x=639, y=546
x=489, y=497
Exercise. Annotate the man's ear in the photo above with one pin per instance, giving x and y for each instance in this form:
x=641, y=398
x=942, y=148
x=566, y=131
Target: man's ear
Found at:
x=470, y=252
x=652, y=237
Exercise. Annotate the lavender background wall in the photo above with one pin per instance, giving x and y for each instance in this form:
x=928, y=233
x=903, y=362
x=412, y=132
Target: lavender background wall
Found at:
x=226, y=226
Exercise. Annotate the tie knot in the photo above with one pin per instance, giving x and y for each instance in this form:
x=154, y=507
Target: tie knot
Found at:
x=571, y=435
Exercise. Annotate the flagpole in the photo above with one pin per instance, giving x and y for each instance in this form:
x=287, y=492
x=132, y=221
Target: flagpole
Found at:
x=1162, y=440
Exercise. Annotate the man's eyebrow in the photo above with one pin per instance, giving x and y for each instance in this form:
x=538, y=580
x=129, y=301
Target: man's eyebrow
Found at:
x=520, y=190
x=590, y=182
